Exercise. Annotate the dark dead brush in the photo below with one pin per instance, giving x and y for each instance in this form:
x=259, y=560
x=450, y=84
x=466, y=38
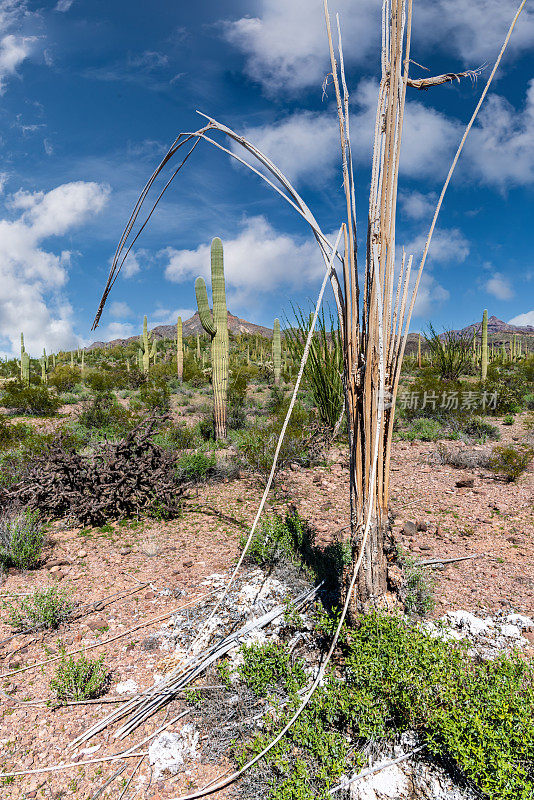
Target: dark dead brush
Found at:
x=124, y=479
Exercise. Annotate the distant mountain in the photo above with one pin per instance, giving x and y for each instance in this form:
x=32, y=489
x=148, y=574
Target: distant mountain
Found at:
x=497, y=327
x=191, y=327
x=497, y=330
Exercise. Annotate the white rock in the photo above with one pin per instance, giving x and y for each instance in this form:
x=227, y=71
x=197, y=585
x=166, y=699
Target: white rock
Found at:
x=467, y=621
x=510, y=631
x=389, y=784
x=126, y=687
x=520, y=620
x=169, y=751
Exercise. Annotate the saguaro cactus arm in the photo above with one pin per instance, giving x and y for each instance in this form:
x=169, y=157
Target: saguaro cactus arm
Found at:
x=206, y=317
x=484, y=347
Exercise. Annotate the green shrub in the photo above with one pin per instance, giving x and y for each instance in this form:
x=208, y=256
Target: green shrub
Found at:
x=277, y=537
x=176, y=437
x=508, y=420
x=45, y=608
x=33, y=400
x=195, y=466
x=424, y=429
x=301, y=442
x=269, y=666
x=155, y=396
x=479, y=429
x=417, y=591
x=64, y=378
x=100, y=381
x=391, y=677
x=80, y=679
x=12, y=433
x=511, y=460
x=21, y=539
x=104, y=411
x=206, y=428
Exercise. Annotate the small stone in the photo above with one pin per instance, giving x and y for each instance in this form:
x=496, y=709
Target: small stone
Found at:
x=465, y=483
x=97, y=623
x=81, y=553
x=125, y=551
x=424, y=547
x=150, y=595
x=409, y=529
x=421, y=525
x=187, y=564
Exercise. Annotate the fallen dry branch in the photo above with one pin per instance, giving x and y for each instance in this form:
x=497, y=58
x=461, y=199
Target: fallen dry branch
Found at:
x=439, y=80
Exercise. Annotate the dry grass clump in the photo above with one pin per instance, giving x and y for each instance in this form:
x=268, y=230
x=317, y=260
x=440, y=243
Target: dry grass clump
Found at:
x=461, y=458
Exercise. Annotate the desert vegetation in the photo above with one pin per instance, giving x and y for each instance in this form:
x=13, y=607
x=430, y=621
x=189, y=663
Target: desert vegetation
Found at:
x=302, y=552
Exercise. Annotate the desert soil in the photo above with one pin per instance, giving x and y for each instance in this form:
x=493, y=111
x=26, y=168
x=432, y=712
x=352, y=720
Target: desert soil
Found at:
x=162, y=565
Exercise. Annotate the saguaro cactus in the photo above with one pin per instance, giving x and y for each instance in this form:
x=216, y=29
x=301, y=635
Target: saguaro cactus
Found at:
x=419, y=351
x=179, y=350
x=145, y=351
x=484, y=349
x=216, y=325
x=277, y=351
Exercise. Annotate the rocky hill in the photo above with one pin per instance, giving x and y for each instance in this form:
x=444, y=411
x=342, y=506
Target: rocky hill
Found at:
x=497, y=327
x=191, y=327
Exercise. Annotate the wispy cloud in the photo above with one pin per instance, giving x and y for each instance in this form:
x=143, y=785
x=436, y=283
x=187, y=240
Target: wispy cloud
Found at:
x=499, y=286
x=63, y=5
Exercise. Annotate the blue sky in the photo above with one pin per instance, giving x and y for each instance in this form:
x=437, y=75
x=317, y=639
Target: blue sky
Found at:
x=93, y=92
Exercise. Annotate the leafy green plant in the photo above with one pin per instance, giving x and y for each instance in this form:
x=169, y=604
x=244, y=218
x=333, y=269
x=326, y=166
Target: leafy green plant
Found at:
x=155, y=396
x=105, y=412
x=508, y=420
x=423, y=428
x=392, y=676
x=479, y=429
x=511, y=460
x=258, y=445
x=34, y=400
x=21, y=539
x=45, y=608
x=268, y=666
x=195, y=466
x=80, y=679
x=418, y=586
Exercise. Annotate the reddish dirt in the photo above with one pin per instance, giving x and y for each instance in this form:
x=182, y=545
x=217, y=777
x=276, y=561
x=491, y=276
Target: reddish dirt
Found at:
x=492, y=519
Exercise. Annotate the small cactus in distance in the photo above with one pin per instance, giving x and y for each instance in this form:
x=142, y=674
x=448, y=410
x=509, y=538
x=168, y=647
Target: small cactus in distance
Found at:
x=145, y=352
x=484, y=347
x=277, y=351
x=179, y=350
x=216, y=325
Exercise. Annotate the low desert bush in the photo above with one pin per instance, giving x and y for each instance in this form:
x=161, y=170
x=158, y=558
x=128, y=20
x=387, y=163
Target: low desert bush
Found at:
x=33, y=400
x=511, y=461
x=196, y=466
x=391, y=676
x=417, y=591
x=105, y=412
x=508, y=420
x=80, y=679
x=463, y=458
x=269, y=667
x=64, y=378
x=21, y=539
x=45, y=608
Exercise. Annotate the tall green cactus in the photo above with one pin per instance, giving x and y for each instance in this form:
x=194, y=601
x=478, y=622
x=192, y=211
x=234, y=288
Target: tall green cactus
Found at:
x=22, y=351
x=179, y=350
x=277, y=351
x=484, y=351
x=216, y=325
x=145, y=352
x=44, y=363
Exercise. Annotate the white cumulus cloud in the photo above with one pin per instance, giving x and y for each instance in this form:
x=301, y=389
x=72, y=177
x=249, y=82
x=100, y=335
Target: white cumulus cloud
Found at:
x=258, y=259
x=13, y=51
x=32, y=276
x=119, y=309
x=523, y=319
